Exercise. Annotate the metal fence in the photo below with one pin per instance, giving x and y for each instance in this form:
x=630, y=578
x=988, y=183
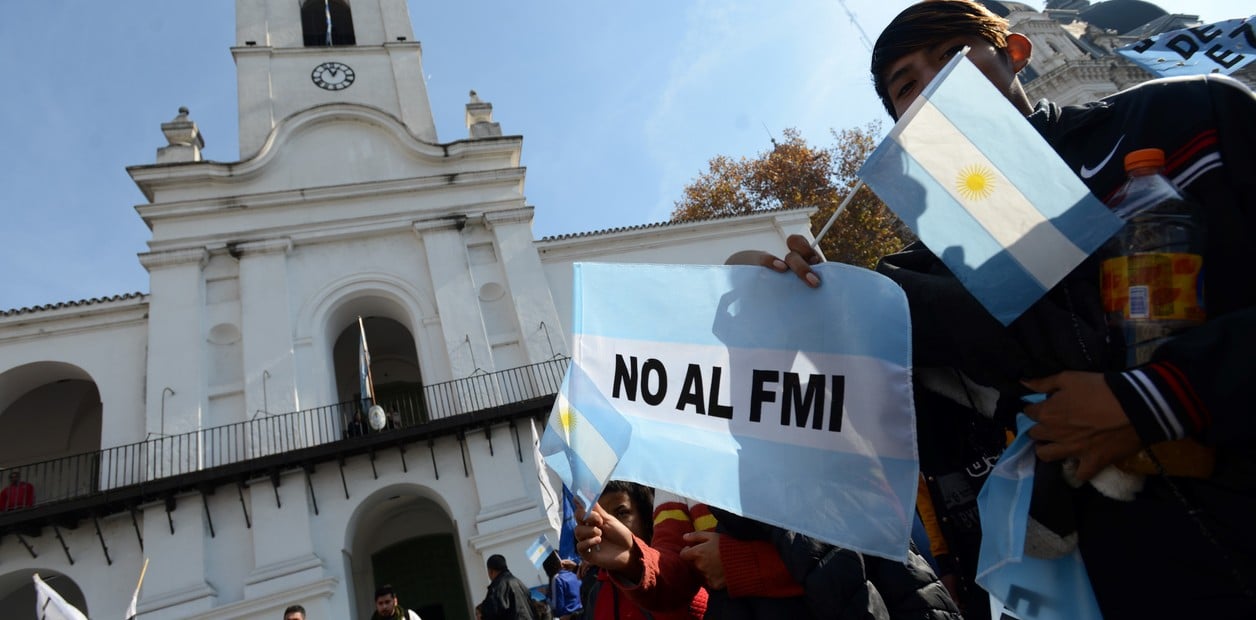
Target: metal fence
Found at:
x=82, y=475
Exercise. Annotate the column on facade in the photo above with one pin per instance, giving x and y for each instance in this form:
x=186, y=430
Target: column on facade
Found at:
x=176, y=584
x=176, y=391
x=283, y=544
x=543, y=337
x=512, y=512
x=458, y=306
x=256, y=113
x=269, y=375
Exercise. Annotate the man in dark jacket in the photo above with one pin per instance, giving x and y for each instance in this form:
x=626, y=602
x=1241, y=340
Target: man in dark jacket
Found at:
x=1181, y=548
x=507, y=597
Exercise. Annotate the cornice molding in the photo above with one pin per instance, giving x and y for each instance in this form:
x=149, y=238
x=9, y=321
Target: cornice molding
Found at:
x=170, y=258
x=265, y=246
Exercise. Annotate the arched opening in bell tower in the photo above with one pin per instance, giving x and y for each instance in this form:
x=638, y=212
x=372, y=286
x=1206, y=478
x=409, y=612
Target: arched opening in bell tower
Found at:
x=327, y=22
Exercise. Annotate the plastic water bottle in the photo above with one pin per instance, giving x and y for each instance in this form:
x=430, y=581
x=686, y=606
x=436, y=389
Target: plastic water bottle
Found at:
x=1153, y=288
x=1152, y=279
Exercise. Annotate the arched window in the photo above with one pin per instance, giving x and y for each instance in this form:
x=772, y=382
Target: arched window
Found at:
x=319, y=15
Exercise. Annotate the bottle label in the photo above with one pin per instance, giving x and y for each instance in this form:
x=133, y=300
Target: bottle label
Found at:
x=1154, y=286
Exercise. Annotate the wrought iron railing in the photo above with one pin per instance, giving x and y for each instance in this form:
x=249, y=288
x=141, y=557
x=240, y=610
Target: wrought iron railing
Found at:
x=82, y=475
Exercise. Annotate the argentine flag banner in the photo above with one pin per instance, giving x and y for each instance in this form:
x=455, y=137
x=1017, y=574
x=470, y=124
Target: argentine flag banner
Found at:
x=980, y=187
x=1223, y=47
x=749, y=391
x=1022, y=586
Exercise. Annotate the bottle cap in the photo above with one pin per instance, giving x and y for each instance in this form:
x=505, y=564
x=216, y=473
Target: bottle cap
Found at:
x=1144, y=158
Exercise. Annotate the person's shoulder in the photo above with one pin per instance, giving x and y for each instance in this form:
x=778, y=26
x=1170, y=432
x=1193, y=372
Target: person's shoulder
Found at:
x=1180, y=92
x=664, y=500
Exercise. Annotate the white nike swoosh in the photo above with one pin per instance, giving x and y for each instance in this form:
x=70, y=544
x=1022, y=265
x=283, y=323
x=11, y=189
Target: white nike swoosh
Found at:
x=1090, y=172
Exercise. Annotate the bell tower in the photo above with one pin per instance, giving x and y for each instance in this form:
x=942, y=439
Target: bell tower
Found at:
x=293, y=55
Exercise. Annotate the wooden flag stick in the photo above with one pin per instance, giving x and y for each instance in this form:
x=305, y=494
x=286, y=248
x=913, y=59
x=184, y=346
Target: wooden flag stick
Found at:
x=837, y=212
x=142, y=571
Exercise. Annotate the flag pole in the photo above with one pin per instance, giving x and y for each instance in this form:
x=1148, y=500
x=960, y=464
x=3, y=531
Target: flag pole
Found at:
x=142, y=571
x=130, y=612
x=836, y=212
x=366, y=357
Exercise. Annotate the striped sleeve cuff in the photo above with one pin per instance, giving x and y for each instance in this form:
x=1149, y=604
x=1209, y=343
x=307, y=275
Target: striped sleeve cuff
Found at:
x=1159, y=401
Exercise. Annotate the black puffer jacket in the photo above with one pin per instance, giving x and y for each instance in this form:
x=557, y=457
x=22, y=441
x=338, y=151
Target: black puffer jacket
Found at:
x=1150, y=557
x=839, y=584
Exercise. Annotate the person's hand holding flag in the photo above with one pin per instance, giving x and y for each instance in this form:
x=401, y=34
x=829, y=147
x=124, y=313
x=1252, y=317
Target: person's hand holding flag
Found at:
x=604, y=541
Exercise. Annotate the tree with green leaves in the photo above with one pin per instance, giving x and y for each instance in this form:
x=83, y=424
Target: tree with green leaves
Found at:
x=794, y=174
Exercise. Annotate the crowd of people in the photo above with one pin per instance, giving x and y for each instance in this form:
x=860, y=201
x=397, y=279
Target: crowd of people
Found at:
x=1177, y=548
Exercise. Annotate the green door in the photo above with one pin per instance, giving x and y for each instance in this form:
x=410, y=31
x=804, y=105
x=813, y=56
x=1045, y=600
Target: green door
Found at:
x=426, y=574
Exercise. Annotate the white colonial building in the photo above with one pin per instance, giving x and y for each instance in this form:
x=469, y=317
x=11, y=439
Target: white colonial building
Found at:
x=205, y=425
x=1074, y=58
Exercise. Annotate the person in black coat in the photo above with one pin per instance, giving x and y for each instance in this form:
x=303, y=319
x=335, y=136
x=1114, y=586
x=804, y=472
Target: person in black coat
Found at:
x=507, y=597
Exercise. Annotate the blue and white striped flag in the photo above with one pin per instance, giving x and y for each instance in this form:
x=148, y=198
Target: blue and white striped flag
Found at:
x=748, y=391
x=584, y=437
x=985, y=192
x=365, y=383
x=1022, y=586
x=539, y=550
x=1223, y=47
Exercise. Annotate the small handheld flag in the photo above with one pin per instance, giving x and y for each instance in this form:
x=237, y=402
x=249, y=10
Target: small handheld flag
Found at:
x=582, y=443
x=1018, y=583
x=977, y=184
x=539, y=550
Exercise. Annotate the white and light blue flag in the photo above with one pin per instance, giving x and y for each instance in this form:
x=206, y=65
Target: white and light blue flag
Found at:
x=748, y=391
x=1022, y=586
x=539, y=550
x=974, y=180
x=584, y=437
x=1223, y=47
x=365, y=383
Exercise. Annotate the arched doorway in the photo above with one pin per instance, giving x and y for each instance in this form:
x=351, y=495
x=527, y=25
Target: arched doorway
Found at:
x=51, y=411
x=435, y=590
x=402, y=538
x=17, y=593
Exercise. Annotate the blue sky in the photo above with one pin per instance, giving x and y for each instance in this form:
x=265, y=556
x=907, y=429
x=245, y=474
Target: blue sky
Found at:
x=619, y=104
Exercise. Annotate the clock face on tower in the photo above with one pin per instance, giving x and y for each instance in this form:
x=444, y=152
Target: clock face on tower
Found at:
x=332, y=76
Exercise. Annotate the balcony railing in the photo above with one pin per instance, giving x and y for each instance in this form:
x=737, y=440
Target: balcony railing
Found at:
x=83, y=475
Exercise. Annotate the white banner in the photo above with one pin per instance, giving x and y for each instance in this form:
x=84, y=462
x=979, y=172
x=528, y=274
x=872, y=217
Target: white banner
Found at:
x=1223, y=47
x=747, y=390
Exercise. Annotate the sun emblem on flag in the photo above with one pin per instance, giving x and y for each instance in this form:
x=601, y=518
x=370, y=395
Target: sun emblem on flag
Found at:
x=566, y=421
x=975, y=182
